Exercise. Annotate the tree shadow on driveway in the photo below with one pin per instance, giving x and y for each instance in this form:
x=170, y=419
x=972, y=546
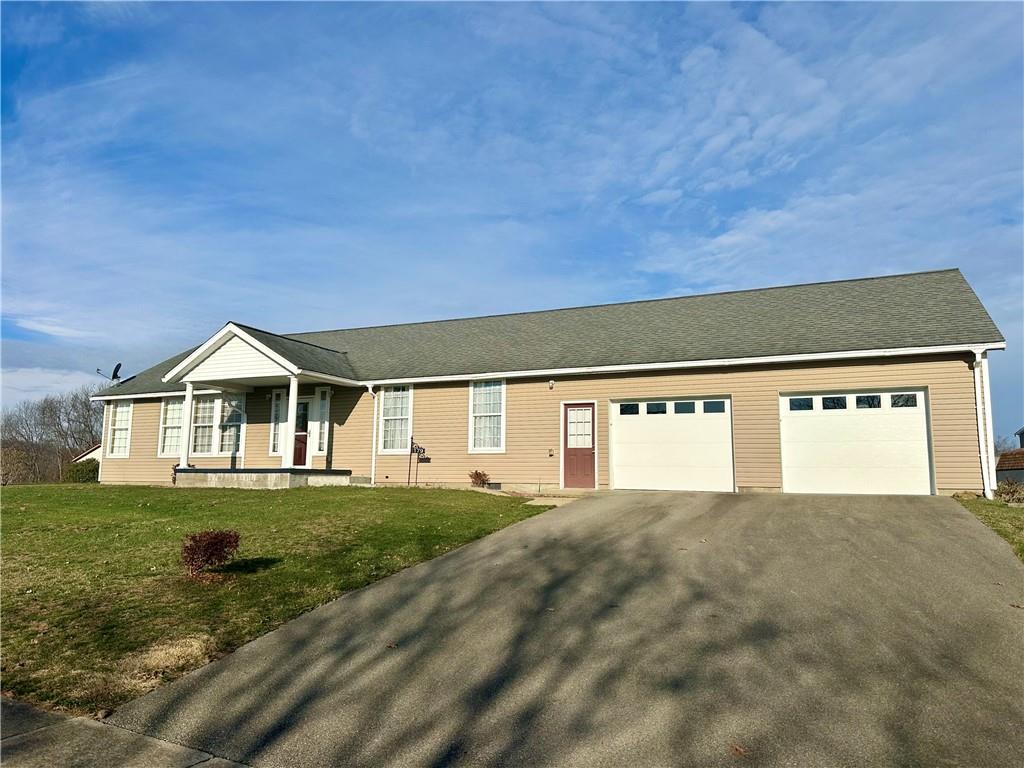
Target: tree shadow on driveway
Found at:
x=642, y=629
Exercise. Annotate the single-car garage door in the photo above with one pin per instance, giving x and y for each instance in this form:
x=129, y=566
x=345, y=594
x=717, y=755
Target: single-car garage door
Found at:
x=675, y=444
x=869, y=442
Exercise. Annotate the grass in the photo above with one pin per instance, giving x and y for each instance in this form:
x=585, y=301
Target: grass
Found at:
x=96, y=609
x=1005, y=520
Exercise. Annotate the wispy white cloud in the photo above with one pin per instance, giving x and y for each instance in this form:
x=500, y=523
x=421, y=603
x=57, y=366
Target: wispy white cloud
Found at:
x=318, y=165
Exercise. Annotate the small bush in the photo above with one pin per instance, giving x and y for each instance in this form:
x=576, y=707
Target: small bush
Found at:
x=87, y=471
x=1011, y=492
x=479, y=478
x=208, y=549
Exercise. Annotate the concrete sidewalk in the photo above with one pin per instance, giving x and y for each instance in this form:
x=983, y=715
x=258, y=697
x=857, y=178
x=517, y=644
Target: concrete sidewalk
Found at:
x=30, y=737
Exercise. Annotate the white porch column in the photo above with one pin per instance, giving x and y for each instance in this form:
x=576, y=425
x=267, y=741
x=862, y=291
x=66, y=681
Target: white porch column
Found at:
x=288, y=459
x=186, y=426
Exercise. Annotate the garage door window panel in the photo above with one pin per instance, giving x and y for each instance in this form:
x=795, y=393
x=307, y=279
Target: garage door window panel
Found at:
x=684, y=407
x=801, y=403
x=904, y=401
x=835, y=403
x=629, y=409
x=869, y=401
x=656, y=409
x=714, y=406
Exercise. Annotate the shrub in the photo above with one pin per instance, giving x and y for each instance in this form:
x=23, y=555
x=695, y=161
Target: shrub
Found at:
x=87, y=471
x=479, y=478
x=1011, y=492
x=207, y=549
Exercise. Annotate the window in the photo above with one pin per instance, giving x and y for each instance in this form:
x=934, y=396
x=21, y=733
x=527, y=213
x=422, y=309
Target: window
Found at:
x=120, y=428
x=714, y=406
x=395, y=417
x=904, y=401
x=203, y=412
x=487, y=416
x=232, y=414
x=837, y=403
x=171, y=412
x=276, y=418
x=801, y=403
x=655, y=408
x=581, y=428
x=629, y=409
x=869, y=401
x=323, y=418
x=684, y=407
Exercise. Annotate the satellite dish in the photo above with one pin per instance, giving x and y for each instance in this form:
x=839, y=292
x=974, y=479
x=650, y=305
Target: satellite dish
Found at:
x=117, y=369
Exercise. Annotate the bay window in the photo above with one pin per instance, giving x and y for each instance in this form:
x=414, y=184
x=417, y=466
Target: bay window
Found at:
x=217, y=425
x=487, y=416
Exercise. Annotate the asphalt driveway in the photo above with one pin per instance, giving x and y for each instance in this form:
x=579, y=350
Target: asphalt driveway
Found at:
x=646, y=629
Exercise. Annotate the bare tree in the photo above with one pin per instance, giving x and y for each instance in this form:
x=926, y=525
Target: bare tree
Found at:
x=1005, y=444
x=38, y=439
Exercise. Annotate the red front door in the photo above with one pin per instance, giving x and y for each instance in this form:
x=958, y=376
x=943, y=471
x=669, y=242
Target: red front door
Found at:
x=578, y=445
x=301, y=434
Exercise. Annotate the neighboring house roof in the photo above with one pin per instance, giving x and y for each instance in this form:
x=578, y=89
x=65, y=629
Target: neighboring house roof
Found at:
x=926, y=309
x=1019, y=431
x=1011, y=460
x=86, y=454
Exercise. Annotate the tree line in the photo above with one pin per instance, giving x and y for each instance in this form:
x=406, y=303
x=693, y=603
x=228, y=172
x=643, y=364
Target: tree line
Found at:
x=40, y=438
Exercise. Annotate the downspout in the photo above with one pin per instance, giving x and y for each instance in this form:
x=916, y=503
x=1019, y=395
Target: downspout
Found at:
x=373, y=445
x=982, y=441
x=992, y=481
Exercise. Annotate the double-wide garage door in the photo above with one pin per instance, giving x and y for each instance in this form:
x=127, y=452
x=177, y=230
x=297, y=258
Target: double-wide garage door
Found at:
x=867, y=442
x=672, y=445
x=862, y=442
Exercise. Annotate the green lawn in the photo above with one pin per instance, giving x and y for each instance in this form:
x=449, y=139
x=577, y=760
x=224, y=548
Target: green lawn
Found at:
x=1005, y=520
x=96, y=609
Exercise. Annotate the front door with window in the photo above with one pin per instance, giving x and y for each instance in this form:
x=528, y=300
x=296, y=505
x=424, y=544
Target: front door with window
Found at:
x=578, y=445
x=301, y=434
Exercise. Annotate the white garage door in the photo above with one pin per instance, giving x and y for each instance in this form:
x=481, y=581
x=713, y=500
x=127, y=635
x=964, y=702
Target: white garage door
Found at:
x=855, y=443
x=674, y=444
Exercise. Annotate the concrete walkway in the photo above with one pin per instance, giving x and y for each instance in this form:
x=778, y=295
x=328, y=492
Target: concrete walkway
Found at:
x=30, y=738
x=646, y=629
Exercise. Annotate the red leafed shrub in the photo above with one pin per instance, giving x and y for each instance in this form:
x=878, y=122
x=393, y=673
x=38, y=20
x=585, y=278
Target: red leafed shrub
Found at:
x=208, y=549
x=479, y=478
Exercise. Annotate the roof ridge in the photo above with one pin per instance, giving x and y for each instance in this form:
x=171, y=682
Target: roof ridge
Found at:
x=287, y=337
x=292, y=335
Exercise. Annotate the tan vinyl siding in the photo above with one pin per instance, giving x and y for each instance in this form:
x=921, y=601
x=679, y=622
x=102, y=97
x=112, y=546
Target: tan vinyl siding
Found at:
x=143, y=466
x=441, y=420
x=533, y=414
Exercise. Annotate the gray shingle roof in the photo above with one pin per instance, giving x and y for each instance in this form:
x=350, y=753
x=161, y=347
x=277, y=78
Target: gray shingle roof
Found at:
x=917, y=310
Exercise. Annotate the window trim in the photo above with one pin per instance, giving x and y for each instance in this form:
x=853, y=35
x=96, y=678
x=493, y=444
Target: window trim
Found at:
x=380, y=439
x=320, y=431
x=161, y=454
x=471, y=425
x=218, y=410
x=110, y=432
x=276, y=423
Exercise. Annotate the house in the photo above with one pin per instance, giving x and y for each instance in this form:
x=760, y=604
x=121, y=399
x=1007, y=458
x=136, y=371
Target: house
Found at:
x=89, y=453
x=876, y=385
x=1010, y=465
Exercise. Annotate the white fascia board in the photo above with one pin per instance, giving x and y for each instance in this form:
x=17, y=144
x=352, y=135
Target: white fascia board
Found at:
x=714, y=363
x=150, y=395
x=330, y=378
x=212, y=344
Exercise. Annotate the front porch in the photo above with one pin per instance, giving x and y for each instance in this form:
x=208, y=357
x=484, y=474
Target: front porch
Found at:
x=271, y=399
x=265, y=479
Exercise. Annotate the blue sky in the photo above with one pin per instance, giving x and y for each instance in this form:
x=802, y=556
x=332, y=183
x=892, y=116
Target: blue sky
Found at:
x=168, y=167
